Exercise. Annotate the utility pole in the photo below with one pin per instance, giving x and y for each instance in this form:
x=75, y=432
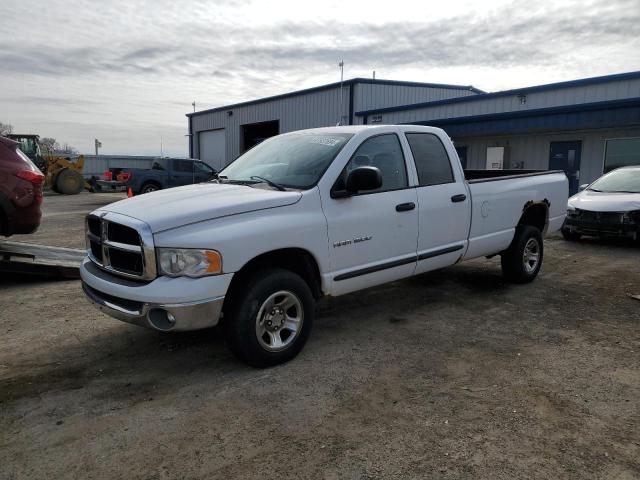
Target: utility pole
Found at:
x=374, y=74
x=97, y=144
x=341, y=65
x=161, y=156
x=194, y=106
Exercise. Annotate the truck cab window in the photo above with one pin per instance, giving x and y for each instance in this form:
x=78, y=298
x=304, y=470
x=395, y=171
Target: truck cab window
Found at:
x=385, y=153
x=185, y=166
x=157, y=165
x=203, y=168
x=432, y=162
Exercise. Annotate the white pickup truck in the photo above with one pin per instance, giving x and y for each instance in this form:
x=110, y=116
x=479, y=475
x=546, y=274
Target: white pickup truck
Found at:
x=309, y=214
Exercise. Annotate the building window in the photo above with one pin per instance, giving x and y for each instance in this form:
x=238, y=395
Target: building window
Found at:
x=619, y=152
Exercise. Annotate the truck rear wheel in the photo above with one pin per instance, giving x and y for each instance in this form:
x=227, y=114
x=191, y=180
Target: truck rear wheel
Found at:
x=69, y=182
x=521, y=262
x=271, y=320
x=149, y=187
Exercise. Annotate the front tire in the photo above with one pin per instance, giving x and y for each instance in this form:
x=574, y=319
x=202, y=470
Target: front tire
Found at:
x=69, y=182
x=521, y=262
x=269, y=322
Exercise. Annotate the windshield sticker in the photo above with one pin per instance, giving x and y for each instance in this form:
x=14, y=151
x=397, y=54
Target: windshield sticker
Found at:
x=329, y=141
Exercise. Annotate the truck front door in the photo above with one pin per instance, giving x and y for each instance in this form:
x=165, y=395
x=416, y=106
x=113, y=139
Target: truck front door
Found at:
x=182, y=173
x=443, y=201
x=204, y=172
x=373, y=234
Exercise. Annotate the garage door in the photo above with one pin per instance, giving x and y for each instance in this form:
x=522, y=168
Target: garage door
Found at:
x=211, y=145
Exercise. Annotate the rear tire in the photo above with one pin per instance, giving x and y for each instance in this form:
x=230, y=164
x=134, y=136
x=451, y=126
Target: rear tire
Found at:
x=149, y=187
x=270, y=321
x=69, y=182
x=570, y=236
x=521, y=262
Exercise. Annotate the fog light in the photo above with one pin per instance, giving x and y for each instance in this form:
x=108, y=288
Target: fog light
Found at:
x=160, y=319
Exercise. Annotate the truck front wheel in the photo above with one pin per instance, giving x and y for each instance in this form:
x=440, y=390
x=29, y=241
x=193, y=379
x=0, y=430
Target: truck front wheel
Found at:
x=271, y=319
x=521, y=262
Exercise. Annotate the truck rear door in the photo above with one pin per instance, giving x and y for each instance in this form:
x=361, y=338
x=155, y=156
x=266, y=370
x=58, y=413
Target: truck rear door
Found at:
x=444, y=206
x=373, y=234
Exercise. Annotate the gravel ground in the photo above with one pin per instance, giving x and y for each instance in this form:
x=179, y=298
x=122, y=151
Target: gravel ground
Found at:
x=452, y=374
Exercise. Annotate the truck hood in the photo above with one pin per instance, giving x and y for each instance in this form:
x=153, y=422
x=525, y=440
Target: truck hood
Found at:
x=605, y=202
x=175, y=207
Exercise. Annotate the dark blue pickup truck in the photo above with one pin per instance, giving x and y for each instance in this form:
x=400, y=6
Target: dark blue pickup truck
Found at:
x=167, y=173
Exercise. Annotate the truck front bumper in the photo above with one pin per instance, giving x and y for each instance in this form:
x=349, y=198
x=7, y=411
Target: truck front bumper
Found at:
x=165, y=304
x=601, y=229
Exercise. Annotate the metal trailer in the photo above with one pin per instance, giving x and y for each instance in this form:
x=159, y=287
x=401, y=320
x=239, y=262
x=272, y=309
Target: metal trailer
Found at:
x=40, y=260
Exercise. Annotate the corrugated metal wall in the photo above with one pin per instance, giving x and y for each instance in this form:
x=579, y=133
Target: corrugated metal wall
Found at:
x=316, y=109
x=98, y=164
x=534, y=149
x=369, y=96
x=613, y=90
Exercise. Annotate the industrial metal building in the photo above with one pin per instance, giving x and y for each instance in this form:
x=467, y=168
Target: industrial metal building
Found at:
x=221, y=134
x=583, y=127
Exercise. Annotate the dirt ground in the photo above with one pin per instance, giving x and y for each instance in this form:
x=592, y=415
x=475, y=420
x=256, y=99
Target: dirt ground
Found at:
x=453, y=374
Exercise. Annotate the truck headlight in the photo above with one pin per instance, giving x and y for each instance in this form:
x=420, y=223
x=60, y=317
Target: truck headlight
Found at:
x=189, y=262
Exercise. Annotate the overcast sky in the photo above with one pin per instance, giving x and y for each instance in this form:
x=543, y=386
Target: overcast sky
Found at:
x=126, y=72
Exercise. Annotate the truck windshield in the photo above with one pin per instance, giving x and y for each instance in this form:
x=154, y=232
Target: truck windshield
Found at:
x=621, y=181
x=293, y=160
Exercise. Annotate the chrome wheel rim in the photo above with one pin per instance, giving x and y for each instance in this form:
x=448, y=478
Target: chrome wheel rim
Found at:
x=531, y=255
x=149, y=189
x=279, y=321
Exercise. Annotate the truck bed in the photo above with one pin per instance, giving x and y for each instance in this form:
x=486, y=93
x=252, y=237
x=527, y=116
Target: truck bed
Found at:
x=478, y=176
x=497, y=207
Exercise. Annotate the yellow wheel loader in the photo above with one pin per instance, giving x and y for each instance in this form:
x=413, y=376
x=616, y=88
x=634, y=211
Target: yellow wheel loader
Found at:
x=63, y=175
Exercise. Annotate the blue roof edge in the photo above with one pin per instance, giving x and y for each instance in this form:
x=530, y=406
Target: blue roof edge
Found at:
x=575, y=107
x=505, y=93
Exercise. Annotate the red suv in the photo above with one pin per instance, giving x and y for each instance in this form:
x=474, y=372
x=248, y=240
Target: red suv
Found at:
x=21, y=186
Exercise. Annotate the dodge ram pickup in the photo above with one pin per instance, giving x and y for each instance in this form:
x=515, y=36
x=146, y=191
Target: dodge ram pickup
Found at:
x=307, y=214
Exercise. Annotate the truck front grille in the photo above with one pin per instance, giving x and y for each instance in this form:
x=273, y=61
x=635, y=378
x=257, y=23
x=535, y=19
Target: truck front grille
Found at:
x=121, y=245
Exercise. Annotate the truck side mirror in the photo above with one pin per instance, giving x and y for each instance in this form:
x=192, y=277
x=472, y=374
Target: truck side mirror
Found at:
x=583, y=186
x=363, y=178
x=359, y=179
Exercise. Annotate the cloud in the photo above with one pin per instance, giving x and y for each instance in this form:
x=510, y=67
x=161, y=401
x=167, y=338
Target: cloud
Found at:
x=145, y=60
x=513, y=35
x=54, y=101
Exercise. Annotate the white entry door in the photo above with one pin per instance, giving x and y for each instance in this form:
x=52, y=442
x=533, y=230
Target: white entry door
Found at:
x=212, y=148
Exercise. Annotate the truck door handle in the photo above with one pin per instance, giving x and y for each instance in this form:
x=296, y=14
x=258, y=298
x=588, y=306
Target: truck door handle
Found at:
x=459, y=198
x=405, y=207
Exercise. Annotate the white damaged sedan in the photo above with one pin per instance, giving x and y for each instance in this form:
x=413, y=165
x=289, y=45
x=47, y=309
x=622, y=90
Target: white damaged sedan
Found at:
x=610, y=206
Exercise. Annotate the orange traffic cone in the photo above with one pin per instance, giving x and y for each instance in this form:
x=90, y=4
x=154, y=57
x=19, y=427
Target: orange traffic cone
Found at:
x=129, y=192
